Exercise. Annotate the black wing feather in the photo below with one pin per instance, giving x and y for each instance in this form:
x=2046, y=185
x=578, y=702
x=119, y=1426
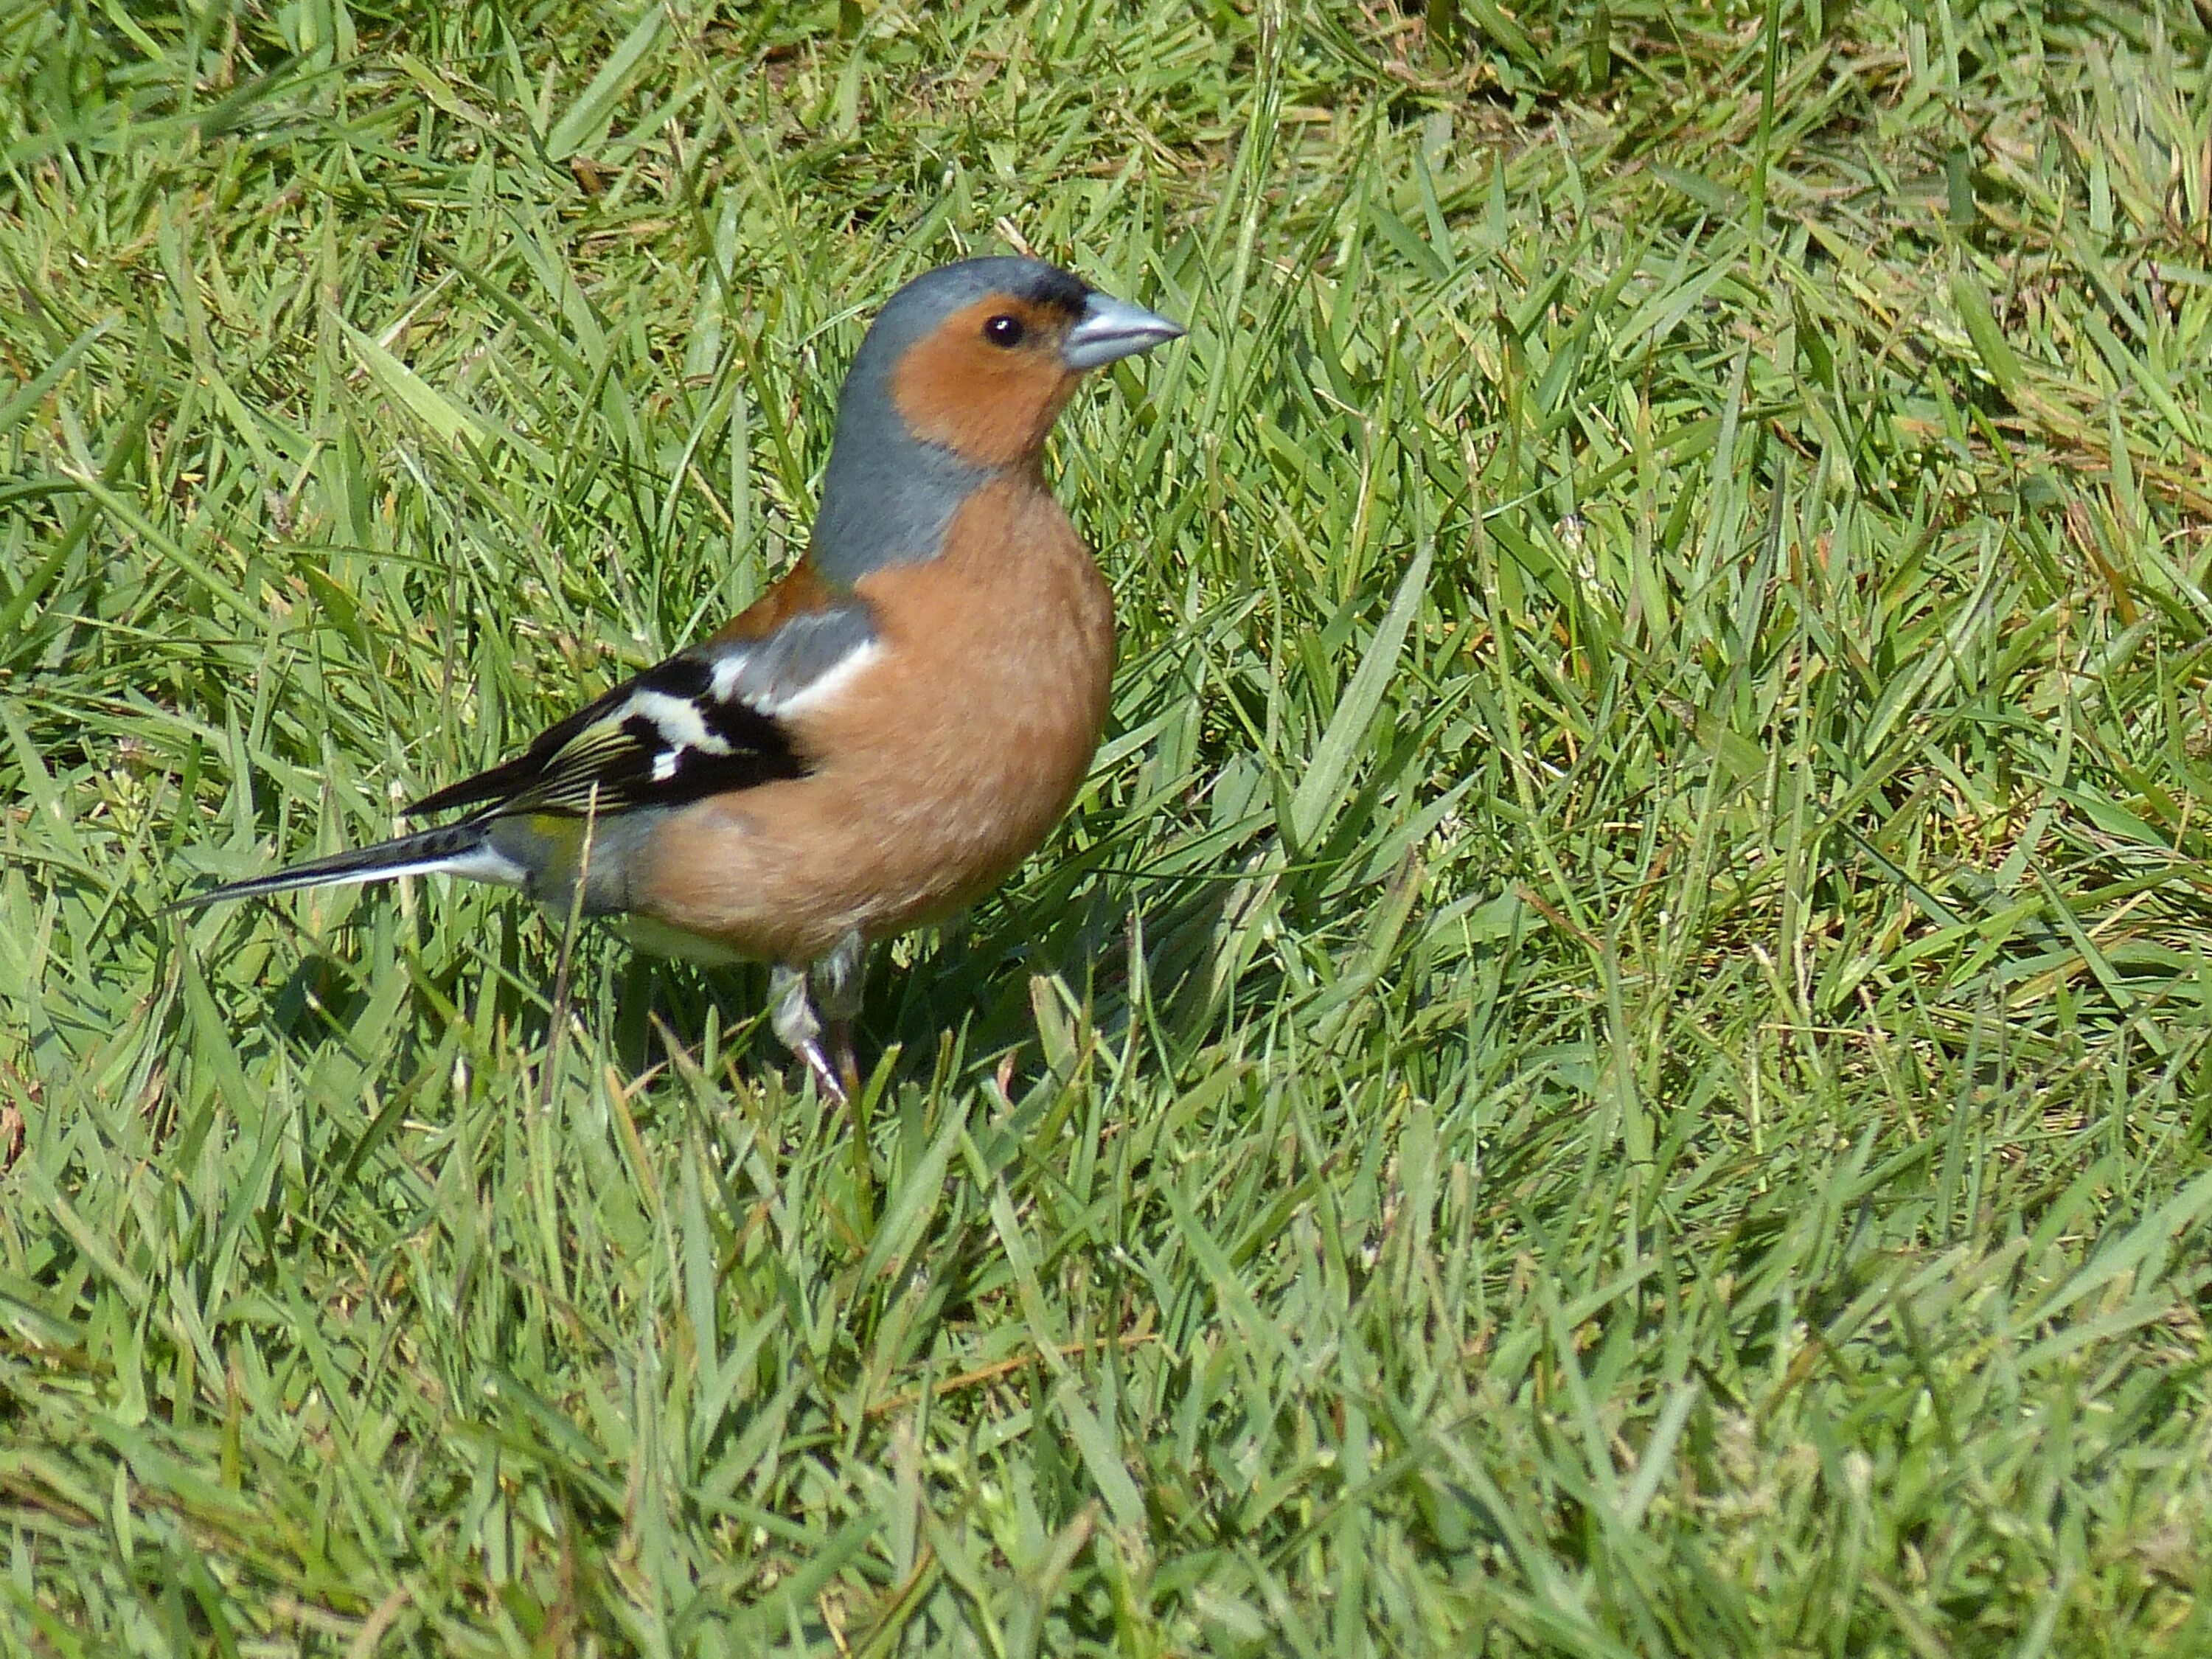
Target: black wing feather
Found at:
x=510, y=777
x=600, y=761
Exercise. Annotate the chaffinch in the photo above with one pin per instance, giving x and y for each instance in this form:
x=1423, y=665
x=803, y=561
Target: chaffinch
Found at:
x=886, y=733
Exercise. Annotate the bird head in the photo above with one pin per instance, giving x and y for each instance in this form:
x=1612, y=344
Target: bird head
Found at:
x=981, y=357
x=993, y=349
x=960, y=378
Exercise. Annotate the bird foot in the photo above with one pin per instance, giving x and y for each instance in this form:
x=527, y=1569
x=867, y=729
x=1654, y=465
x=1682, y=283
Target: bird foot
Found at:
x=805, y=1005
x=826, y=1076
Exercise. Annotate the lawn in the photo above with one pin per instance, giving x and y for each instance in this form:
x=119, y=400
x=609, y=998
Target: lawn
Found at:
x=1616, y=1059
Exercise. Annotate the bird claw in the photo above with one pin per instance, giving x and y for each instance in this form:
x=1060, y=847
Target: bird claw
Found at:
x=825, y=1075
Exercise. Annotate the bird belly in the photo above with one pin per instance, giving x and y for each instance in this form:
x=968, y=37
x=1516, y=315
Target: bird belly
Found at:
x=658, y=938
x=945, y=764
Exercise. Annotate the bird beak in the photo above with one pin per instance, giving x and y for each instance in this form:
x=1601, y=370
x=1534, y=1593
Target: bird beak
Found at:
x=1109, y=330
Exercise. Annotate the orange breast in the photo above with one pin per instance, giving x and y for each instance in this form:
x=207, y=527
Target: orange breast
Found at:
x=939, y=768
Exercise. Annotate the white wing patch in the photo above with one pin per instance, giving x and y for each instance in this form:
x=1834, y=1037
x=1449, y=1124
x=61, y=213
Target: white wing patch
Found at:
x=681, y=727
x=729, y=669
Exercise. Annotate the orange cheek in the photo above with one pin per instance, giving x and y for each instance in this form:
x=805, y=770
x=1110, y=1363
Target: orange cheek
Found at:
x=988, y=405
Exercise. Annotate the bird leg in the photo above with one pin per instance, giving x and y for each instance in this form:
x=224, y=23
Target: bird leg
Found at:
x=837, y=980
x=791, y=1016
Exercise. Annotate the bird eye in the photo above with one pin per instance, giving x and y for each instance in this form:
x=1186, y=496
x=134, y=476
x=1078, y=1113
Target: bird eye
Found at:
x=1004, y=330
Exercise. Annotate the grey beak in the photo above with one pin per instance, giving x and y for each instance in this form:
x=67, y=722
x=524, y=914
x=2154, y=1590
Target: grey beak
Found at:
x=1109, y=330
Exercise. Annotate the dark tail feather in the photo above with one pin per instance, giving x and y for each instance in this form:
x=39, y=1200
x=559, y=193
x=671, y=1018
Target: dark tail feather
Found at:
x=456, y=849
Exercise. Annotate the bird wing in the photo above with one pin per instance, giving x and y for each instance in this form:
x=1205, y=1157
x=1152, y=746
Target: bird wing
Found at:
x=709, y=720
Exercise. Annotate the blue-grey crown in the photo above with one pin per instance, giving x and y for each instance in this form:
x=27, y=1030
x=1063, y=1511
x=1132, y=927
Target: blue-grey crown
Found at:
x=912, y=313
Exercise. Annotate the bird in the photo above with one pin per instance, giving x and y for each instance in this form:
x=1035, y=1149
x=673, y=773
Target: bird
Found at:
x=880, y=738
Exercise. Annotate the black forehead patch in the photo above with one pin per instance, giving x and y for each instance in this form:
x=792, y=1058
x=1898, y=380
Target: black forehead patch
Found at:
x=1051, y=285
x=925, y=304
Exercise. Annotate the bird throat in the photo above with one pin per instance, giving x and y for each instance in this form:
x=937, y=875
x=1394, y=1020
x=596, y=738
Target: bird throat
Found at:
x=888, y=499
x=890, y=493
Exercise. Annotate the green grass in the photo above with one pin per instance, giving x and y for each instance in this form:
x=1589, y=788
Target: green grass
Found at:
x=1617, y=1060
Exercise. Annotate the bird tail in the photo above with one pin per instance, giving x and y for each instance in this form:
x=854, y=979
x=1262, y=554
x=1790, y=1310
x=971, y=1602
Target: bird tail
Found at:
x=457, y=849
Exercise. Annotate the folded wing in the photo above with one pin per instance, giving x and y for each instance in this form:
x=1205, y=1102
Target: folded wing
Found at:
x=708, y=720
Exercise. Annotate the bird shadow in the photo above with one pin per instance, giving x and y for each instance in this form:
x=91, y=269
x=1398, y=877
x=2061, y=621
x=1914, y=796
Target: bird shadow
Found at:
x=1133, y=967
x=958, y=1002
